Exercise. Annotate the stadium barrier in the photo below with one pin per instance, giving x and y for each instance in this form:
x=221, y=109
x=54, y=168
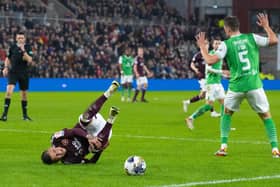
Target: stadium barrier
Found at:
x=69, y=84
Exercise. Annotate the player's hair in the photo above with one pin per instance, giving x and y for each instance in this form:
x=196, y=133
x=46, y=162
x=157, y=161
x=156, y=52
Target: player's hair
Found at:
x=232, y=22
x=20, y=33
x=45, y=157
x=217, y=37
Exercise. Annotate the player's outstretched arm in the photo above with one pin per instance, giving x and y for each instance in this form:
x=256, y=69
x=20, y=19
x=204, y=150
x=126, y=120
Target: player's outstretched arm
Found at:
x=135, y=71
x=6, y=66
x=210, y=59
x=95, y=157
x=264, y=23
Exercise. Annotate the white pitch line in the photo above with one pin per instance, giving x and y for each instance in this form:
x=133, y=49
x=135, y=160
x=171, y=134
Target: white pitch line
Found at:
x=25, y=131
x=191, y=139
x=149, y=137
x=221, y=181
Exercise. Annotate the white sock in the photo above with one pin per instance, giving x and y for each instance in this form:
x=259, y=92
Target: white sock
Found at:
x=275, y=149
x=111, y=119
x=224, y=146
x=107, y=94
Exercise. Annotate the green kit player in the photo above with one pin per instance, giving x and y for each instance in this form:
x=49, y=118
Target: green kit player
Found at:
x=126, y=68
x=214, y=88
x=242, y=54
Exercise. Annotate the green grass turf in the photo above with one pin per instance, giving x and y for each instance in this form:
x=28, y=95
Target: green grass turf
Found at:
x=154, y=130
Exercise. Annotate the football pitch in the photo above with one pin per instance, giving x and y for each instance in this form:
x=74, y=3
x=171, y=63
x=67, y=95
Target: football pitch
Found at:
x=175, y=156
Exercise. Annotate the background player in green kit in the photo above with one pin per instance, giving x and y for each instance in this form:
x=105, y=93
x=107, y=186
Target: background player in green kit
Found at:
x=242, y=54
x=126, y=68
x=214, y=88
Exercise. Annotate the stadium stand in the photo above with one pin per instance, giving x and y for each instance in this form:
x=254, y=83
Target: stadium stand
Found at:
x=89, y=45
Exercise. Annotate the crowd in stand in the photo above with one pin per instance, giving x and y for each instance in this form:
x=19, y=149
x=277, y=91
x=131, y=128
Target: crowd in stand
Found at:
x=151, y=10
x=90, y=49
x=20, y=6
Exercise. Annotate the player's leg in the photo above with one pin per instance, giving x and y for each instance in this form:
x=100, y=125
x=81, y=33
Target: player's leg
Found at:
x=12, y=79
x=196, y=98
x=259, y=102
x=221, y=101
x=204, y=108
x=92, y=110
x=231, y=103
x=24, y=103
x=138, y=83
x=271, y=132
x=218, y=94
x=225, y=124
x=122, y=92
x=105, y=132
x=23, y=86
x=122, y=88
x=144, y=89
x=200, y=111
x=125, y=91
x=213, y=113
x=129, y=87
x=221, y=97
x=189, y=101
x=7, y=101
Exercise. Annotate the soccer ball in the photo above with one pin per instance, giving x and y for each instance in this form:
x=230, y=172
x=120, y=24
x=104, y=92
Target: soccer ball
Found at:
x=135, y=165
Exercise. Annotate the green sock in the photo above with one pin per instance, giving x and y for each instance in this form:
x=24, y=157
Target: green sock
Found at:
x=201, y=110
x=122, y=91
x=271, y=132
x=225, y=128
x=222, y=110
x=128, y=92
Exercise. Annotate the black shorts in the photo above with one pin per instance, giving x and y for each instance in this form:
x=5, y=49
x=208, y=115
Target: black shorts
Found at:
x=21, y=78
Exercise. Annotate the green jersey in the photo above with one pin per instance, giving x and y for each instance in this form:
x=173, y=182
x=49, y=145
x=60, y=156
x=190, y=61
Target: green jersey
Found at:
x=243, y=61
x=215, y=76
x=126, y=64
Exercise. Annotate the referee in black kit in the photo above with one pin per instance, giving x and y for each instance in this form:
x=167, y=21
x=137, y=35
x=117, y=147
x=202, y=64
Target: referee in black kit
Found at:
x=16, y=69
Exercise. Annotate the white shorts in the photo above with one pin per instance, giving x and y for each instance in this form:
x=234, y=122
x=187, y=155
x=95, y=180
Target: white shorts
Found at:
x=126, y=79
x=96, y=125
x=141, y=80
x=256, y=98
x=214, y=91
x=202, y=84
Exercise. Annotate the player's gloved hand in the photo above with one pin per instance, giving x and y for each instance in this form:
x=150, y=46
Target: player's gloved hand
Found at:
x=95, y=144
x=95, y=141
x=105, y=145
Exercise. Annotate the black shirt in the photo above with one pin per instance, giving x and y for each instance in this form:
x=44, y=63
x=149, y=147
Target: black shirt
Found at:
x=15, y=56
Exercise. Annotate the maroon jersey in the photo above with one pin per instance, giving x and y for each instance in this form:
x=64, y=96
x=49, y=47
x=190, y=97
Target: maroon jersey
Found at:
x=139, y=63
x=75, y=142
x=199, y=63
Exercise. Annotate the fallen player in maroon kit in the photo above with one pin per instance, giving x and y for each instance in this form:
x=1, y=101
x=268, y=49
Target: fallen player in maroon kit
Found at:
x=90, y=135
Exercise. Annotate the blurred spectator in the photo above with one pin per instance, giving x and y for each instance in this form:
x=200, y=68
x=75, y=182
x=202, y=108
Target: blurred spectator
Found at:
x=90, y=48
